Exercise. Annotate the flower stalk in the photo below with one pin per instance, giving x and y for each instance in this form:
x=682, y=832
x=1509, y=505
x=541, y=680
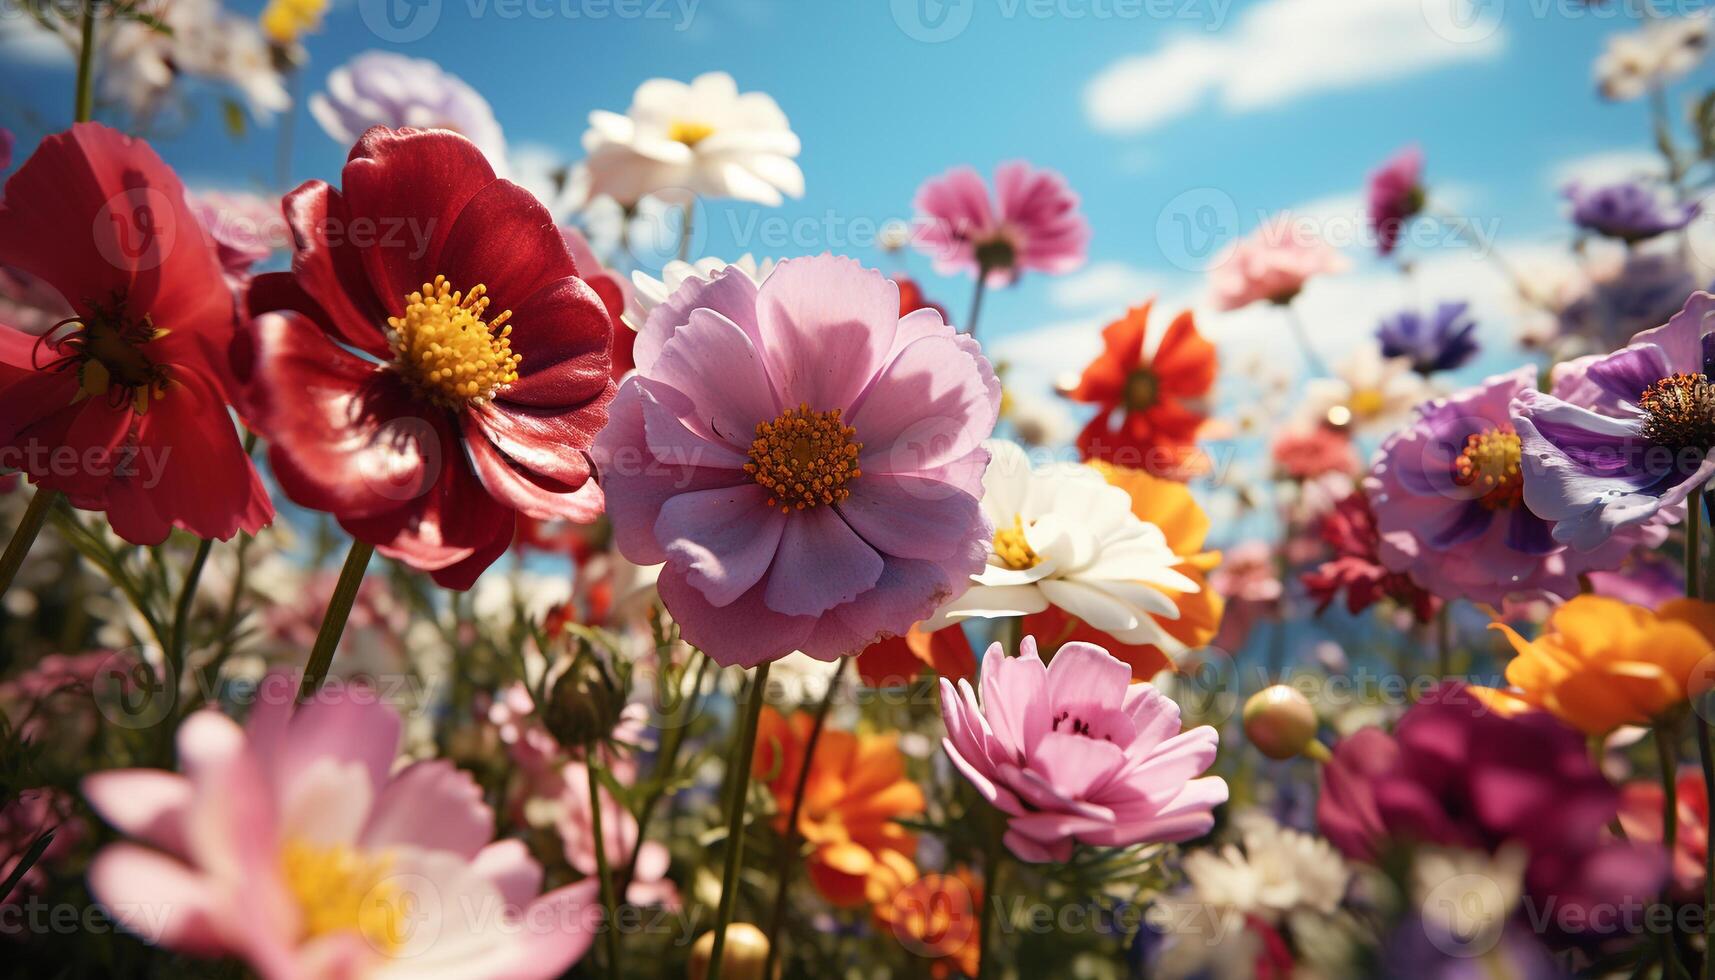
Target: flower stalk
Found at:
x=85, y=105
x=609, y=901
x=735, y=815
x=333, y=622
x=35, y=515
x=789, y=845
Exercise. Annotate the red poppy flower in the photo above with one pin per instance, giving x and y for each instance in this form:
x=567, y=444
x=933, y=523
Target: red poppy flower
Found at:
x=453, y=371
x=1147, y=414
x=123, y=406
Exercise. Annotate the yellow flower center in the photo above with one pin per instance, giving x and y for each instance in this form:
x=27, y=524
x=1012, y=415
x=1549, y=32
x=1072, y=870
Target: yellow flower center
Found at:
x=1679, y=411
x=1490, y=464
x=1012, y=549
x=1367, y=403
x=339, y=889
x=689, y=131
x=107, y=350
x=444, y=347
x=804, y=458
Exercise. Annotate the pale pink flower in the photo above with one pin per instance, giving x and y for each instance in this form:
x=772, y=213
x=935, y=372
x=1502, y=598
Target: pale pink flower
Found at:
x=806, y=461
x=292, y=845
x=1034, y=223
x=650, y=885
x=1074, y=752
x=1272, y=264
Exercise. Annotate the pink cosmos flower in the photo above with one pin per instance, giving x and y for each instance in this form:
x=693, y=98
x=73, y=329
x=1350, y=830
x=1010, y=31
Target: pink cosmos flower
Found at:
x=1035, y=224
x=1396, y=196
x=290, y=845
x=805, y=461
x=1272, y=264
x=1074, y=751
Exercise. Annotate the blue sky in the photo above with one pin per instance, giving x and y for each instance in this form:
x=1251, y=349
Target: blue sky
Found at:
x=1258, y=105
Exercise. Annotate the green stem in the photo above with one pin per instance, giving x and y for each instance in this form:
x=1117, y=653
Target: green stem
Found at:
x=735, y=816
x=977, y=300
x=1693, y=543
x=182, y=614
x=1314, y=361
x=1666, y=755
x=789, y=846
x=333, y=622
x=35, y=515
x=85, y=107
x=986, y=966
x=1705, y=755
x=610, y=904
x=667, y=759
x=685, y=230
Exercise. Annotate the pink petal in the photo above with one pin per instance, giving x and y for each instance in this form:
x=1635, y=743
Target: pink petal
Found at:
x=146, y=804
x=507, y=865
x=932, y=405
x=912, y=517
x=1085, y=676
x=725, y=539
x=714, y=364
x=729, y=634
x=826, y=323
x=431, y=804
x=729, y=292
x=158, y=898
x=821, y=563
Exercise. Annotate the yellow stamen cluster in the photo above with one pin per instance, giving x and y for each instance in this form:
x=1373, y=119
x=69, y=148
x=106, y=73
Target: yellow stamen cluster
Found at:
x=338, y=889
x=689, y=131
x=443, y=345
x=1013, y=550
x=1679, y=411
x=804, y=458
x=1490, y=465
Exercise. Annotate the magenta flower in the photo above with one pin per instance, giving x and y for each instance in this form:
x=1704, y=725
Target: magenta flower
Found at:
x=1271, y=265
x=1035, y=223
x=1074, y=752
x=806, y=461
x=294, y=846
x=1449, y=498
x=1396, y=196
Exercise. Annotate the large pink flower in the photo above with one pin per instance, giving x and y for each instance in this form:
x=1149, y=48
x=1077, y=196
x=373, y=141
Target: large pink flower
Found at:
x=1074, y=751
x=292, y=845
x=1035, y=223
x=1272, y=265
x=806, y=461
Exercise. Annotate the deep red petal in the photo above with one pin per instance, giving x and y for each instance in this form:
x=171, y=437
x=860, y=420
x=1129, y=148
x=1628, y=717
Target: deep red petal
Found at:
x=328, y=265
x=562, y=335
x=534, y=493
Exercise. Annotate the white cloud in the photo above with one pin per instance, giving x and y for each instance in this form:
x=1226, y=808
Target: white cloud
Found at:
x=26, y=44
x=1604, y=168
x=1280, y=50
x=1107, y=286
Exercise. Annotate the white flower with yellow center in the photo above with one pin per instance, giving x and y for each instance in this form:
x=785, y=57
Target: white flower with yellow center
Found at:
x=1066, y=537
x=1277, y=870
x=649, y=292
x=1368, y=393
x=703, y=138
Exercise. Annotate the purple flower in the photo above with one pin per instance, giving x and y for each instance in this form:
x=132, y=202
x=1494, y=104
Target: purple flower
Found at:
x=1443, y=341
x=1625, y=436
x=1640, y=292
x=381, y=88
x=1629, y=211
x=1448, y=498
x=1456, y=772
x=806, y=461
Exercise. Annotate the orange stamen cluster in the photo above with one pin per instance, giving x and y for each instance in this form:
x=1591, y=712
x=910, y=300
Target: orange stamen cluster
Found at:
x=1490, y=465
x=1679, y=411
x=443, y=345
x=804, y=458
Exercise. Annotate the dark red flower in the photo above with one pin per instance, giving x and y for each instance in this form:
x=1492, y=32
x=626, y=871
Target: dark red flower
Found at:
x=615, y=292
x=445, y=368
x=1350, y=530
x=123, y=406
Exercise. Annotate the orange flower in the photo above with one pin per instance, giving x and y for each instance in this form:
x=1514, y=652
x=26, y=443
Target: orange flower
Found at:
x=1147, y=408
x=1601, y=663
x=933, y=915
x=1169, y=506
x=893, y=662
x=856, y=790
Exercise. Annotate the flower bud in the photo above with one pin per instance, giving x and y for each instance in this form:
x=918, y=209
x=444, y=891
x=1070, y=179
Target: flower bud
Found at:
x=584, y=705
x=1280, y=722
x=743, y=958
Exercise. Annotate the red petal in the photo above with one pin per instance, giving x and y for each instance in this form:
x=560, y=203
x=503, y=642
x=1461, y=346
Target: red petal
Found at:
x=562, y=334
x=328, y=267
